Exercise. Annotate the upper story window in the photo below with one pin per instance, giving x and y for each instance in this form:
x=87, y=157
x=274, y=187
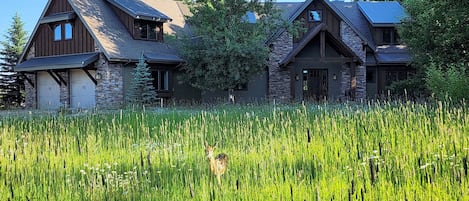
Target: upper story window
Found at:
x=390, y=36
x=147, y=30
x=58, y=32
x=63, y=31
x=68, y=31
x=315, y=16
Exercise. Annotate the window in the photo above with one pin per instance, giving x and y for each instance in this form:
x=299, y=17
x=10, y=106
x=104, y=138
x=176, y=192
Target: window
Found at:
x=390, y=36
x=315, y=16
x=370, y=76
x=68, y=31
x=146, y=30
x=58, y=32
x=161, y=80
x=392, y=76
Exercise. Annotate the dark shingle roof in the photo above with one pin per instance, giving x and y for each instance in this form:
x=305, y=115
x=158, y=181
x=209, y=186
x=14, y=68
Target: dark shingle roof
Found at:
x=385, y=13
x=111, y=35
x=392, y=54
x=58, y=62
x=349, y=11
x=140, y=10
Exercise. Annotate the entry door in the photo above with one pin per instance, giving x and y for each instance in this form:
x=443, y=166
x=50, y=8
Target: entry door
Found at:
x=314, y=84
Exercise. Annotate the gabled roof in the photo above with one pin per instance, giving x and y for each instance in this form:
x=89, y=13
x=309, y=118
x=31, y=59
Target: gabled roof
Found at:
x=110, y=35
x=353, y=17
x=139, y=9
x=382, y=13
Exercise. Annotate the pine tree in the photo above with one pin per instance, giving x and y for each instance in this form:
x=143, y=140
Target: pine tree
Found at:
x=12, y=83
x=142, y=91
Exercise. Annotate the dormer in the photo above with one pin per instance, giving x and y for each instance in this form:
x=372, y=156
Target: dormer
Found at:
x=383, y=17
x=141, y=20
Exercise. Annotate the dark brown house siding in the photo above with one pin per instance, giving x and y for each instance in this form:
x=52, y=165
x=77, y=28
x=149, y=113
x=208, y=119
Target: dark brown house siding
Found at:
x=58, y=6
x=45, y=45
x=43, y=41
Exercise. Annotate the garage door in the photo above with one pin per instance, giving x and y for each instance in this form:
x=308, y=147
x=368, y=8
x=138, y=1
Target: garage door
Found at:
x=82, y=89
x=48, y=91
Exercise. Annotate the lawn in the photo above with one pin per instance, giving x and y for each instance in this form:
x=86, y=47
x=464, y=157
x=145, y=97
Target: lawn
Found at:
x=379, y=151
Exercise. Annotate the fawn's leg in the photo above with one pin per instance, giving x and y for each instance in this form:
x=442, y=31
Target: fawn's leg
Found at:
x=219, y=180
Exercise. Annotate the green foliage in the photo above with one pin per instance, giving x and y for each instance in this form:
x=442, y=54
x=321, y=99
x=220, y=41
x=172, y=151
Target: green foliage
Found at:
x=225, y=50
x=437, y=31
x=437, y=35
x=142, y=92
x=410, y=88
x=299, y=152
x=12, y=83
x=450, y=82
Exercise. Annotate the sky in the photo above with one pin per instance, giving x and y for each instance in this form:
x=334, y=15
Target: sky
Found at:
x=28, y=10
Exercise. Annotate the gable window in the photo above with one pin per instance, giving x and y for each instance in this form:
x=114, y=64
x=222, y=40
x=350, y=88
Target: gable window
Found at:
x=63, y=31
x=58, y=32
x=68, y=31
x=315, y=16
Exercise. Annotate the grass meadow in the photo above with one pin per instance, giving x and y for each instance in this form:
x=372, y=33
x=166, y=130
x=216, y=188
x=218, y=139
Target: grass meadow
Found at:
x=379, y=151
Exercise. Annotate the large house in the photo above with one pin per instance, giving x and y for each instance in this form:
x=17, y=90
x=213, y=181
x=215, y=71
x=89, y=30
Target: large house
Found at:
x=82, y=53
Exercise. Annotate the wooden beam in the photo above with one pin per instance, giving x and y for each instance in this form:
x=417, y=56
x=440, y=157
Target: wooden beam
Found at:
x=322, y=44
x=90, y=76
x=28, y=80
x=52, y=74
x=61, y=78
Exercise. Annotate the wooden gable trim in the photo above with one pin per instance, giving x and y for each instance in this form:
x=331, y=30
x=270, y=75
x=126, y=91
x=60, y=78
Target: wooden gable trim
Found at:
x=309, y=36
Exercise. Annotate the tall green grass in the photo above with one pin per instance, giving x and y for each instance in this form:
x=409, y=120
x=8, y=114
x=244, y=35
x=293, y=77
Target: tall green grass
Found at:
x=378, y=151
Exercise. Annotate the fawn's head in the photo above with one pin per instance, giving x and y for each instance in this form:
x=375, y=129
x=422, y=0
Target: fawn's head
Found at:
x=209, y=150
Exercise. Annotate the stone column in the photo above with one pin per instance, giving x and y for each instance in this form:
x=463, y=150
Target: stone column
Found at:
x=30, y=90
x=279, y=84
x=65, y=89
x=354, y=42
x=110, y=88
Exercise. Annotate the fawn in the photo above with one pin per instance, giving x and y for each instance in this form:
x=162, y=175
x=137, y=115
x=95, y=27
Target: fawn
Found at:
x=217, y=164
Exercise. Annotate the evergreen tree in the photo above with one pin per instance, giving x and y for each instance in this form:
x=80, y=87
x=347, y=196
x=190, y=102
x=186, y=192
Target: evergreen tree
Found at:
x=12, y=83
x=142, y=91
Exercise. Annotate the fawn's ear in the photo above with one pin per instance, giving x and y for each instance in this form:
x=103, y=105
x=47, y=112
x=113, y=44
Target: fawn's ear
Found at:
x=205, y=143
x=215, y=146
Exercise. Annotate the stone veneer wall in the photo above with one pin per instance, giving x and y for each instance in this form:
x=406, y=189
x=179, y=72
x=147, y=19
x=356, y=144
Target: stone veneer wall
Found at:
x=65, y=89
x=110, y=88
x=279, y=84
x=30, y=99
x=357, y=82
